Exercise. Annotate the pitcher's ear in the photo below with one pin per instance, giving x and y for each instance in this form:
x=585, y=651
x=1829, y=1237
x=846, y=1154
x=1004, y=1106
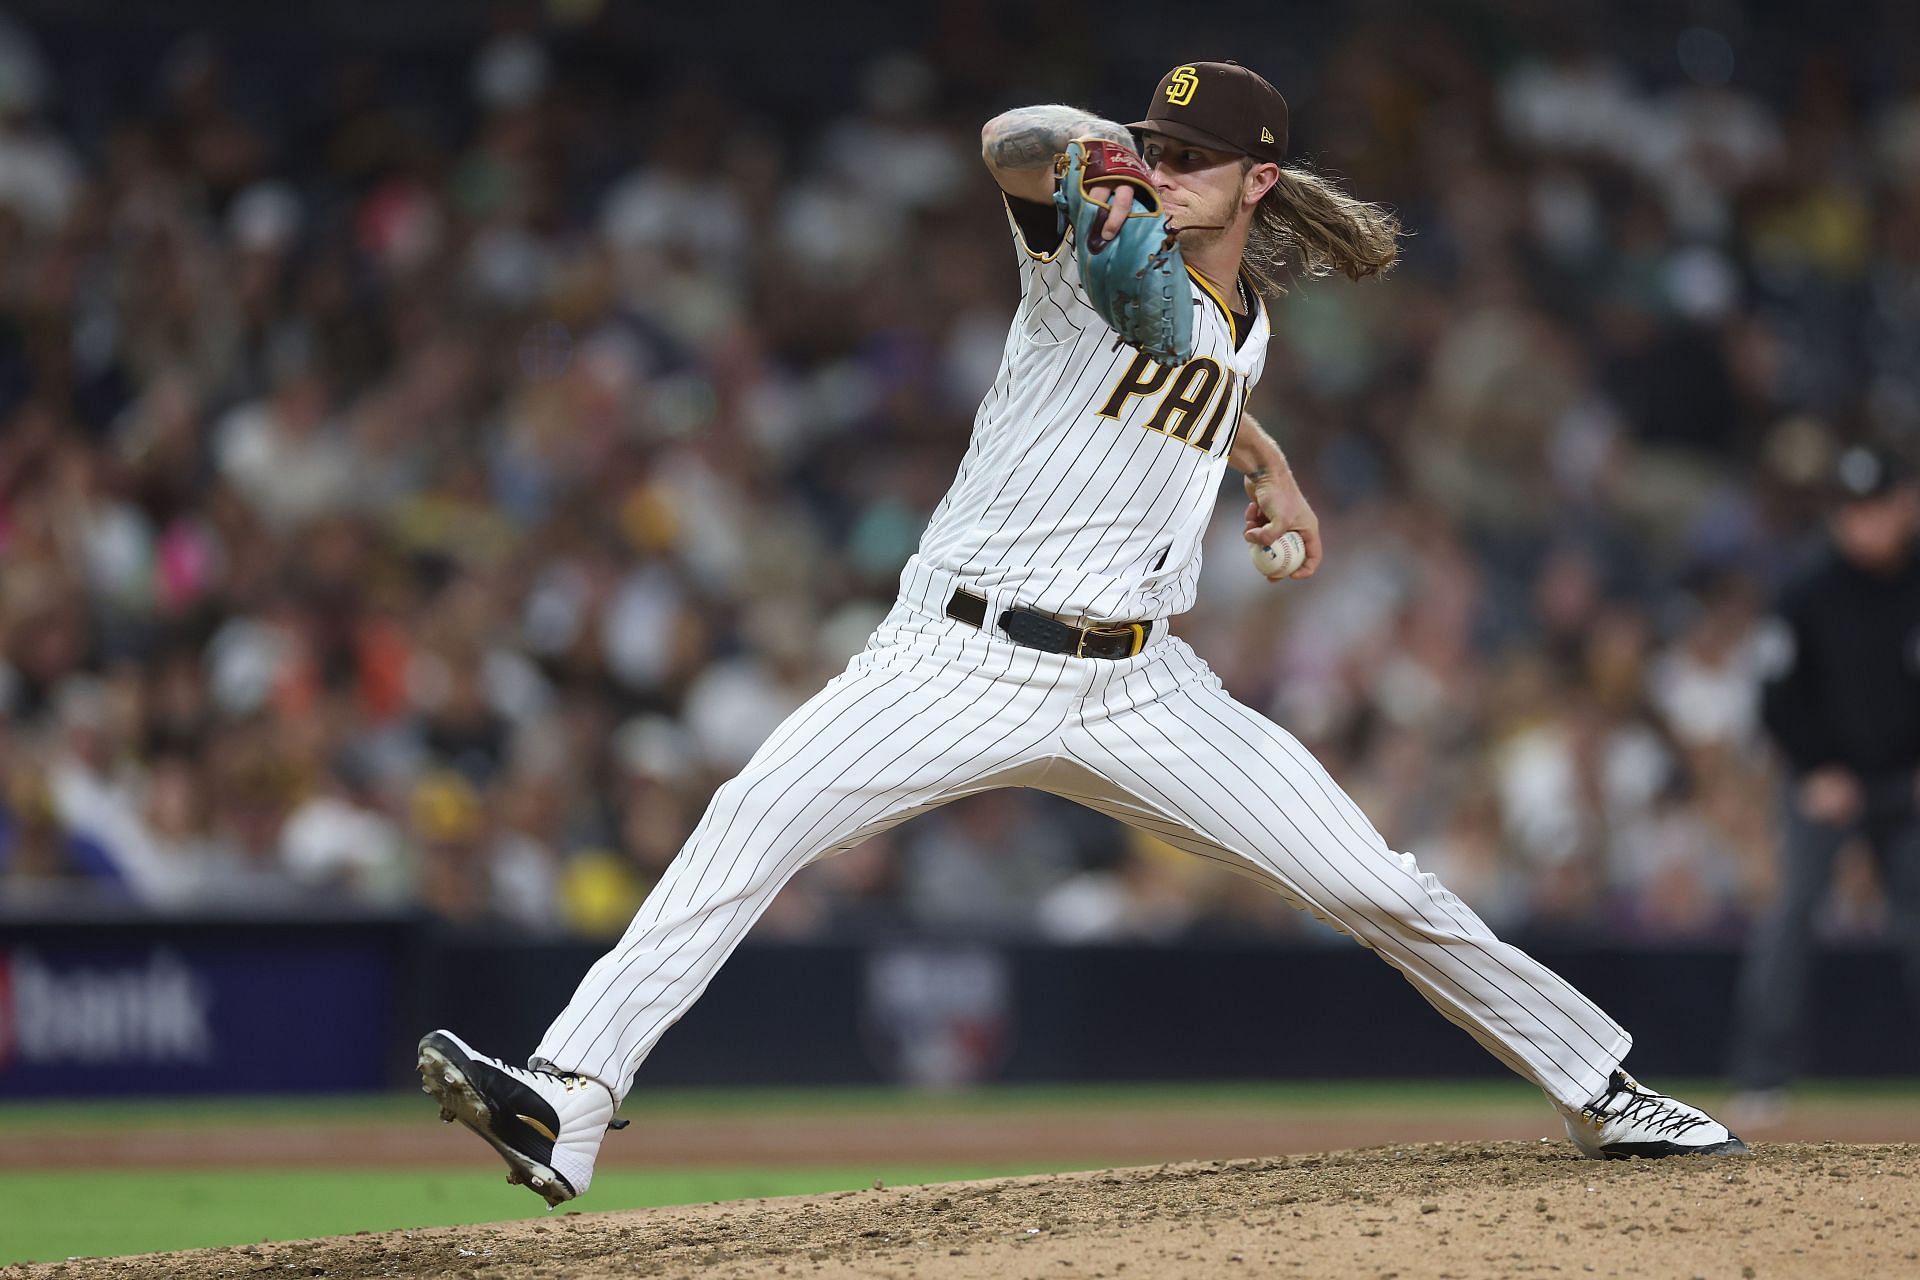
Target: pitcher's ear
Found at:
x=1261, y=178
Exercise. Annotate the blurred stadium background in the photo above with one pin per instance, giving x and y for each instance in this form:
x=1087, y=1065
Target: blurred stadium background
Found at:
x=439, y=440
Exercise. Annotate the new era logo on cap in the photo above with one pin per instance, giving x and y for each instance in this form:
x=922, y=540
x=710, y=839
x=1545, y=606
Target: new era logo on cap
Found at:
x=1266, y=135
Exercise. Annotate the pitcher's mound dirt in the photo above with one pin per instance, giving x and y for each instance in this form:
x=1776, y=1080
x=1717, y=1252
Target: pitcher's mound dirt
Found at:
x=1449, y=1211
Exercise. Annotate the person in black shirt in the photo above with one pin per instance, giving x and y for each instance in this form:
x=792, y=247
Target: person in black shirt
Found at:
x=1843, y=705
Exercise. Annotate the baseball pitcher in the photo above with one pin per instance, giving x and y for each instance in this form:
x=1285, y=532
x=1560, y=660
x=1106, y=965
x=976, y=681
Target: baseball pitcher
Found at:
x=1030, y=643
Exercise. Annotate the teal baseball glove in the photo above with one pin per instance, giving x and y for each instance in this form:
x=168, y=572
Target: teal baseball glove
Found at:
x=1137, y=281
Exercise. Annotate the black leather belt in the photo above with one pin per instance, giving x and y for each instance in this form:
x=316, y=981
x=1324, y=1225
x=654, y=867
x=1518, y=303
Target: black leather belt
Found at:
x=1038, y=631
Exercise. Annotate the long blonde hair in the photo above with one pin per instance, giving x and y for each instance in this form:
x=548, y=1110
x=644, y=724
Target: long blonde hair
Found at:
x=1329, y=230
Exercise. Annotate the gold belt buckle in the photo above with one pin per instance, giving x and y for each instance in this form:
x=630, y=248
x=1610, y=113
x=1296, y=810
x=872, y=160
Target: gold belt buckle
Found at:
x=1135, y=629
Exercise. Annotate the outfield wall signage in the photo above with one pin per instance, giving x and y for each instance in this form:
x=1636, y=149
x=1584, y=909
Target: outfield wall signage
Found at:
x=152, y=1012
x=144, y=1008
x=167, y=1009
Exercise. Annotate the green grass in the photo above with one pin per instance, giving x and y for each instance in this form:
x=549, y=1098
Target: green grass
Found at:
x=104, y=1213
x=693, y=1103
x=49, y=1217
x=25, y=1117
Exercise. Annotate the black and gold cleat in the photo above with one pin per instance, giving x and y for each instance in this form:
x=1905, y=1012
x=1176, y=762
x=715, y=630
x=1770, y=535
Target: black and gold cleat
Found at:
x=547, y=1125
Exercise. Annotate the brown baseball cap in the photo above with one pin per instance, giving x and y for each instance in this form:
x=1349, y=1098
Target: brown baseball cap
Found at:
x=1222, y=105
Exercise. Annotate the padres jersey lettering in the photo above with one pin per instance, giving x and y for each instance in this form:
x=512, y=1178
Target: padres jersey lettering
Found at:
x=1091, y=475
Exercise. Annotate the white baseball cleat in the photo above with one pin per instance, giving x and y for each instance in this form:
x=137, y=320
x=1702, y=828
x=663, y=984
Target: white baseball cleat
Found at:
x=547, y=1125
x=1631, y=1120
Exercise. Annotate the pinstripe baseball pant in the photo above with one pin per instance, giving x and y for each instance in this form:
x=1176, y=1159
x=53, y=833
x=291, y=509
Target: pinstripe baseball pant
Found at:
x=934, y=709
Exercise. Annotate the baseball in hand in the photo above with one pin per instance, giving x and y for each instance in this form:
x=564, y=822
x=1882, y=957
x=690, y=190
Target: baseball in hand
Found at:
x=1283, y=558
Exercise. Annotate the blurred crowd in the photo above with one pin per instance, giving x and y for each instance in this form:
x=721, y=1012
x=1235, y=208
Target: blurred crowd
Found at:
x=422, y=497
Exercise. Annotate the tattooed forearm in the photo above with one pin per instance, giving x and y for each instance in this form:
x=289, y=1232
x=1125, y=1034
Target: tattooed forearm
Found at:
x=1030, y=137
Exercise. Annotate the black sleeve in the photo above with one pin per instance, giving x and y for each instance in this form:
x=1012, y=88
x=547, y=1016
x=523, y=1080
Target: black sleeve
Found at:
x=1039, y=224
x=1791, y=705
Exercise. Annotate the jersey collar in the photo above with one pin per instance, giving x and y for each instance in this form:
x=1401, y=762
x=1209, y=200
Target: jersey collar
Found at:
x=1252, y=321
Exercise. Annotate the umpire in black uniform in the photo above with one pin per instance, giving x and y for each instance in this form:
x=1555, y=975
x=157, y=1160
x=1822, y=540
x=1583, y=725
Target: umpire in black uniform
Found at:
x=1843, y=704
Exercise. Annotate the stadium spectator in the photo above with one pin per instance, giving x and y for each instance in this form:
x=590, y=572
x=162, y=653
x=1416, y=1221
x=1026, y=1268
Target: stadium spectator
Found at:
x=452, y=471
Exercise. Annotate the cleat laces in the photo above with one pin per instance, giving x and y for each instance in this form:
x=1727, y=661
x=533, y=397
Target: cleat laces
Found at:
x=1654, y=1112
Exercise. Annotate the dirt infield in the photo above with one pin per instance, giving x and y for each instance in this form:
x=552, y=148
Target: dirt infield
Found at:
x=1450, y=1211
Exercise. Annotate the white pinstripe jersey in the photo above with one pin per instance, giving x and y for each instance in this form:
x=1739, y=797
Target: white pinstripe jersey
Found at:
x=1086, y=489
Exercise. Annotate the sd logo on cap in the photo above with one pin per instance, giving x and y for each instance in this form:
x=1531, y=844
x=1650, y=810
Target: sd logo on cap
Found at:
x=1221, y=105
